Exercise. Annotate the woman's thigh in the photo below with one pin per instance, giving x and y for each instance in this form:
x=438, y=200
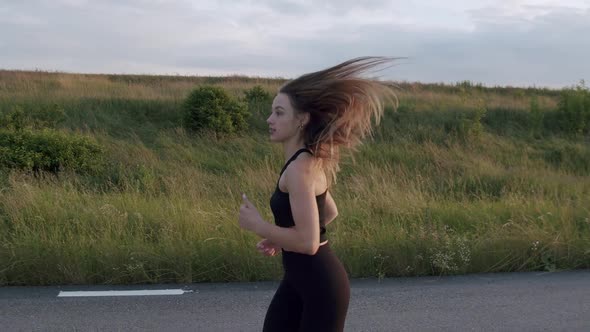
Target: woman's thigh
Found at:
x=326, y=312
x=325, y=291
x=284, y=311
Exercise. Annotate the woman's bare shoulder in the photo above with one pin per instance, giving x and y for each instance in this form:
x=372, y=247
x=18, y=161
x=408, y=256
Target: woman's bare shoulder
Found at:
x=306, y=169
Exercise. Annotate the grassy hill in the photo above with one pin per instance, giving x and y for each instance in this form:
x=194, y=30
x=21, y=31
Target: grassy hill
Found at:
x=460, y=179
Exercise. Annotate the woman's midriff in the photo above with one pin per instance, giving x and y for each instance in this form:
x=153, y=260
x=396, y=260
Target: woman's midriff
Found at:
x=321, y=244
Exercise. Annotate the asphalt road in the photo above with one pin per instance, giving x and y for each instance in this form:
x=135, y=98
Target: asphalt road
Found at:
x=532, y=301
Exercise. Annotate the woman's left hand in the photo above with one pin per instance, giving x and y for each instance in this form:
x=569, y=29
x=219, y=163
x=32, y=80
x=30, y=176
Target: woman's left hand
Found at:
x=249, y=219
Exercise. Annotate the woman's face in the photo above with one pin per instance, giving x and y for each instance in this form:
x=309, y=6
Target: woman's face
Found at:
x=283, y=121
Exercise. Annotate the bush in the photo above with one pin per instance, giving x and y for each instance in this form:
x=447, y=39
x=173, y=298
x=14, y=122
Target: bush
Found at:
x=574, y=109
x=440, y=126
x=259, y=104
x=257, y=94
x=466, y=125
x=536, y=116
x=49, y=150
x=211, y=108
x=508, y=121
x=573, y=158
x=46, y=116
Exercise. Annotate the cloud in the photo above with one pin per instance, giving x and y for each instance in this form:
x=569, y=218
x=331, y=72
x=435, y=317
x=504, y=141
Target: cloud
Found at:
x=505, y=42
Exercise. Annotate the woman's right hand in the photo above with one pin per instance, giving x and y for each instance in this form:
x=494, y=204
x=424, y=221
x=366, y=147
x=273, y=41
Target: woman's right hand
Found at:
x=267, y=248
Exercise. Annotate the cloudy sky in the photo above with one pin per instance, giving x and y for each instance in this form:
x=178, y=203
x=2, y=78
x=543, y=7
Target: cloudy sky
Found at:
x=495, y=42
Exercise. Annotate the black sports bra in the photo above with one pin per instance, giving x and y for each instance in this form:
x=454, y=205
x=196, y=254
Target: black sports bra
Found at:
x=281, y=207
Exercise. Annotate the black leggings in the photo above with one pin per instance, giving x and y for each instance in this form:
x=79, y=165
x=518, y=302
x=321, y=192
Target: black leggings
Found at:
x=313, y=295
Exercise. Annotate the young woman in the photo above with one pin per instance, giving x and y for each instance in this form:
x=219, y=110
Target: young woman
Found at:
x=312, y=117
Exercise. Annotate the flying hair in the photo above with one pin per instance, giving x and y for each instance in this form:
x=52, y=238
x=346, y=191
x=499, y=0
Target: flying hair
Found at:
x=341, y=105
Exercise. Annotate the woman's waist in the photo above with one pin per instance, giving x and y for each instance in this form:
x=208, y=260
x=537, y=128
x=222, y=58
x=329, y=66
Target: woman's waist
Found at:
x=323, y=236
x=298, y=263
x=323, y=247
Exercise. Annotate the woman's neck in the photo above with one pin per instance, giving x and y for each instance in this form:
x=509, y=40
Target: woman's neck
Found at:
x=289, y=148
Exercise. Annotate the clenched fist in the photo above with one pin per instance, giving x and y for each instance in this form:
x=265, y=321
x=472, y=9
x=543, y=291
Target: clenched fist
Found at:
x=249, y=218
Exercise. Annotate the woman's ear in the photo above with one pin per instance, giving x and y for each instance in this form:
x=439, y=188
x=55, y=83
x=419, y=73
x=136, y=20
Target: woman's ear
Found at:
x=305, y=118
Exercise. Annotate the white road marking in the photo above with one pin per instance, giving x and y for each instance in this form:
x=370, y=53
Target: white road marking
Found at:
x=143, y=292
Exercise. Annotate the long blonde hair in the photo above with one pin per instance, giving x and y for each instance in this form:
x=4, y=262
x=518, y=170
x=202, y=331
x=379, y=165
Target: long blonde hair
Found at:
x=341, y=106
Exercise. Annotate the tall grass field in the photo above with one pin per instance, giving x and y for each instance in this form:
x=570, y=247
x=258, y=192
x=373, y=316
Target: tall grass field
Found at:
x=460, y=178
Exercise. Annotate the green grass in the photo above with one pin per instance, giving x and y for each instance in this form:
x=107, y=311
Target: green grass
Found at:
x=432, y=194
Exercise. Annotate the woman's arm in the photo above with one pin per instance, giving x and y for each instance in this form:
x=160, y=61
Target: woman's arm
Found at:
x=289, y=239
x=330, y=209
x=304, y=237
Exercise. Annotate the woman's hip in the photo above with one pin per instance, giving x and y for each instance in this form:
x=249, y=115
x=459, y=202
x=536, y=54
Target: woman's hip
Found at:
x=324, y=264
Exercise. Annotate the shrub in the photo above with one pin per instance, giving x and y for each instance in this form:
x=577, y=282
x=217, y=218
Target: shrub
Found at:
x=49, y=150
x=573, y=158
x=257, y=94
x=259, y=104
x=211, y=108
x=536, y=117
x=507, y=121
x=466, y=125
x=574, y=109
x=45, y=116
x=437, y=125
